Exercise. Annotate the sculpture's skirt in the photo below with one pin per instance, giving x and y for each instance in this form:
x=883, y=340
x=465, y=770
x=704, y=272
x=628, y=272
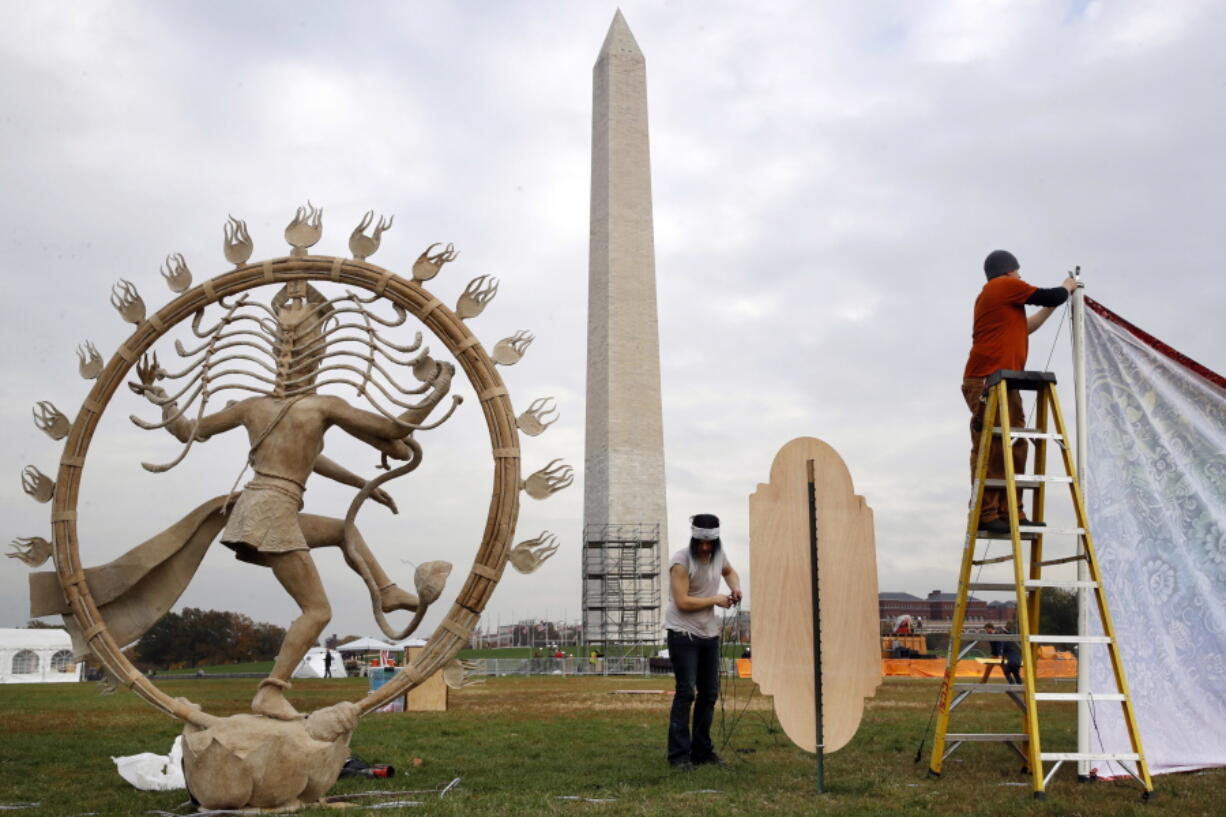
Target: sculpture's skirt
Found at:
x=265, y=517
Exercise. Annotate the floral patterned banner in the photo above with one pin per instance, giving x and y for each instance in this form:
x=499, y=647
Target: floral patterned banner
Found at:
x=1156, y=494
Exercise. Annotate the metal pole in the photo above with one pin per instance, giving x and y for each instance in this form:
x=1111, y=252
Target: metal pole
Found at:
x=1083, y=568
x=817, y=628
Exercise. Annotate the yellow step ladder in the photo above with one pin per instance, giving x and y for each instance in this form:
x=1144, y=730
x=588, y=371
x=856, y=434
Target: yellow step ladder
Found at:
x=1027, y=584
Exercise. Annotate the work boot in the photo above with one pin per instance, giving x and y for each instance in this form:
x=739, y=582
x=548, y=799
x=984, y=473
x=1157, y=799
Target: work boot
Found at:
x=998, y=525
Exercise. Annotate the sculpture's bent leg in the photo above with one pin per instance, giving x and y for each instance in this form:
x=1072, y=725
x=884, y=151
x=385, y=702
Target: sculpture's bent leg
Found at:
x=297, y=574
x=323, y=531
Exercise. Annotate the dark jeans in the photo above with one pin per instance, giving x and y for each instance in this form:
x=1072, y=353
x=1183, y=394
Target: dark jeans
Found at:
x=696, y=668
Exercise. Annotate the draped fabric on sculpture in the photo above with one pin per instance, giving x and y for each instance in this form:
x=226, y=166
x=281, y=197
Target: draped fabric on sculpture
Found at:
x=1156, y=493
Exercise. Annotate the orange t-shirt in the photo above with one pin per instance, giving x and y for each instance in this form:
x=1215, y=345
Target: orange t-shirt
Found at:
x=1000, y=339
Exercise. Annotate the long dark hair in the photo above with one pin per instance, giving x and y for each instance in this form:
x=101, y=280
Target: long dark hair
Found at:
x=704, y=520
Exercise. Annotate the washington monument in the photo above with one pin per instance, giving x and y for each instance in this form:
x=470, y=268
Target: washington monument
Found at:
x=624, y=483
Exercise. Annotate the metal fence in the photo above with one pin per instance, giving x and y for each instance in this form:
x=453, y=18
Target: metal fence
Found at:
x=633, y=665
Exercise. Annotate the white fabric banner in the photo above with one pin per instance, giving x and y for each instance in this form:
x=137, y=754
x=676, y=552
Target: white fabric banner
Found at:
x=1156, y=496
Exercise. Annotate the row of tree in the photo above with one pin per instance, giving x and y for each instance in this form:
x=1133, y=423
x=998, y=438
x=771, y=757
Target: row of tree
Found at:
x=198, y=637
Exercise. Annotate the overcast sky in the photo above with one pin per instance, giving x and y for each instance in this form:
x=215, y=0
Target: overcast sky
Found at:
x=827, y=180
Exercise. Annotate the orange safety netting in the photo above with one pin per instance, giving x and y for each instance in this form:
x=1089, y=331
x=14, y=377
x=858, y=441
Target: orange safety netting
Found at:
x=972, y=667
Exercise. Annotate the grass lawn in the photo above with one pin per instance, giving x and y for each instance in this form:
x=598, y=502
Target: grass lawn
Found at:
x=521, y=745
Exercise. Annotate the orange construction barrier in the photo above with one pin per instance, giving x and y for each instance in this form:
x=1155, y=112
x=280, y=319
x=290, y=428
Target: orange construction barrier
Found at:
x=972, y=667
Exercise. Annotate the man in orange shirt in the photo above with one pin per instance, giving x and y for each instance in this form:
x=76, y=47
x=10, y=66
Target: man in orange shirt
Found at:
x=1000, y=340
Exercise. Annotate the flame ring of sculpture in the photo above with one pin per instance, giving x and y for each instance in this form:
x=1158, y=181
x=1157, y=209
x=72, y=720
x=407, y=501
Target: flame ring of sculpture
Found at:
x=453, y=633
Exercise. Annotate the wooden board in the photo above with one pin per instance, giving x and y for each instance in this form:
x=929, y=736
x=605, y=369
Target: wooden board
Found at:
x=431, y=694
x=782, y=623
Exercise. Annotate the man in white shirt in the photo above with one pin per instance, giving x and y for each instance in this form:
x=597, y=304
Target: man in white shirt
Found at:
x=693, y=639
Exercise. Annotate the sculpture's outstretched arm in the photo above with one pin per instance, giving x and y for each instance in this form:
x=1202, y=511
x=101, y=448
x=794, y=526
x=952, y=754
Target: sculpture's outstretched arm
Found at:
x=373, y=429
x=326, y=467
x=176, y=423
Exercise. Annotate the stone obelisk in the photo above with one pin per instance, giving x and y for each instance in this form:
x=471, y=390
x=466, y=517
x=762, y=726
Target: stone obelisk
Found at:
x=624, y=481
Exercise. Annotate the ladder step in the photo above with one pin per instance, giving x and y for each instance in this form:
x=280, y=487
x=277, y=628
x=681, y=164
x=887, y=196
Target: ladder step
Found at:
x=1028, y=481
x=1078, y=696
x=1029, y=434
x=1065, y=583
x=1004, y=737
x=1032, y=583
x=1088, y=756
x=1040, y=639
x=1033, y=532
x=1025, y=533
x=977, y=688
x=1071, y=639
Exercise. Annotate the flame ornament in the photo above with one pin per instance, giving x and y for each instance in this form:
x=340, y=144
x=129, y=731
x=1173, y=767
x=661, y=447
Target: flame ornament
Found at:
x=175, y=273
x=37, y=484
x=363, y=246
x=427, y=266
x=509, y=351
x=479, y=292
x=237, y=244
x=530, y=554
x=304, y=231
x=457, y=674
x=127, y=301
x=89, y=362
x=541, y=414
x=50, y=420
x=33, y=550
x=549, y=480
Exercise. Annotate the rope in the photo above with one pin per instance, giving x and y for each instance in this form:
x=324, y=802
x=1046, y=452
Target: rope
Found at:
x=255, y=444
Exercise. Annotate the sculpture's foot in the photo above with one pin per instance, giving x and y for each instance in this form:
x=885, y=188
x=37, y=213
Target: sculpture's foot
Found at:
x=270, y=701
x=392, y=598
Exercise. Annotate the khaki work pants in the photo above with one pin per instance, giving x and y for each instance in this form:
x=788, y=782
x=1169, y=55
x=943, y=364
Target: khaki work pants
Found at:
x=995, y=504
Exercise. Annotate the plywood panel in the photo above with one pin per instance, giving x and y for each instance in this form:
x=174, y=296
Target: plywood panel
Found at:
x=782, y=624
x=431, y=694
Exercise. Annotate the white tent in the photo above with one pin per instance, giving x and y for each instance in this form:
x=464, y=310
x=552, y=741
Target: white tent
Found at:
x=368, y=645
x=312, y=664
x=404, y=644
x=36, y=657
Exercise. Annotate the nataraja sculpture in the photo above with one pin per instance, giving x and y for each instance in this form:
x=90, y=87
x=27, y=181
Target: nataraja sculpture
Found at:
x=284, y=352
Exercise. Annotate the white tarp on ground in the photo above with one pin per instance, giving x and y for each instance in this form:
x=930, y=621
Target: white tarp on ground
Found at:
x=150, y=772
x=1156, y=493
x=37, y=656
x=314, y=664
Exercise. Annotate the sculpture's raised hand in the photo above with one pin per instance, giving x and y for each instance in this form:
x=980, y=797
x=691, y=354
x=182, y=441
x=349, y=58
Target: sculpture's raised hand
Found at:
x=149, y=372
x=383, y=498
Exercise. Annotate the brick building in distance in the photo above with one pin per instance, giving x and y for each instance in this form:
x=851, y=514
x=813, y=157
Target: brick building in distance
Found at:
x=939, y=607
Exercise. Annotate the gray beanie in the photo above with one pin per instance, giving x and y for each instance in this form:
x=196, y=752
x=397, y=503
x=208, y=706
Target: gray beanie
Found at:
x=998, y=263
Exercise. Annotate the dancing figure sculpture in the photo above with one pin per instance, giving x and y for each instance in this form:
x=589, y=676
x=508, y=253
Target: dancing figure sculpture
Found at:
x=291, y=355
x=286, y=431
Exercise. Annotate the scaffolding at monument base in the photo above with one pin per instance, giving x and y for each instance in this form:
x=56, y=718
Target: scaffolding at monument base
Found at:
x=621, y=583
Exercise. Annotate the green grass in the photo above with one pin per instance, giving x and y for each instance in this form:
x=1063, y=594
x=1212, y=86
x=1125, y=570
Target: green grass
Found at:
x=221, y=669
x=520, y=744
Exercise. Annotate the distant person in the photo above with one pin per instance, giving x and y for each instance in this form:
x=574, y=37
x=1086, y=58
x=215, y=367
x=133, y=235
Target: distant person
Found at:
x=693, y=639
x=327, y=663
x=1010, y=656
x=1000, y=340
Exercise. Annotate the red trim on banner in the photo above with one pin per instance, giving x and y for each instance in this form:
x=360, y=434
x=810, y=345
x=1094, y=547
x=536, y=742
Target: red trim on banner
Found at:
x=1157, y=345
